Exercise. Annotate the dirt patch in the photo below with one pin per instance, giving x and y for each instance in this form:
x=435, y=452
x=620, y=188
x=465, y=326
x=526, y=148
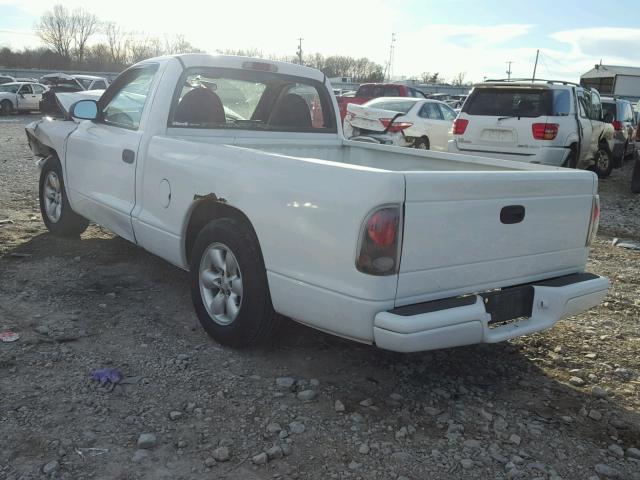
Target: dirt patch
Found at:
x=561, y=404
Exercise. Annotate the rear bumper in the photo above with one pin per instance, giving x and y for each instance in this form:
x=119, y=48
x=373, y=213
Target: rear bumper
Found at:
x=465, y=320
x=545, y=155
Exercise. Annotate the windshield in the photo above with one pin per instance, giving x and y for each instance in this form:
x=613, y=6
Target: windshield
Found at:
x=10, y=87
x=508, y=102
x=401, y=106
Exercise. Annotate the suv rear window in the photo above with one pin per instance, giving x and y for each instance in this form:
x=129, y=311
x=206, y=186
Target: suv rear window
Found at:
x=509, y=102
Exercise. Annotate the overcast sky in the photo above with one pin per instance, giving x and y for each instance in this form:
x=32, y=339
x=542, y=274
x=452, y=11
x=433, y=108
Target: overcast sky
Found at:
x=475, y=37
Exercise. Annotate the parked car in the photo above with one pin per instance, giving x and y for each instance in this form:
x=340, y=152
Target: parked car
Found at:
x=27, y=79
x=368, y=91
x=90, y=82
x=6, y=79
x=401, y=121
x=20, y=97
x=620, y=115
x=411, y=250
x=535, y=122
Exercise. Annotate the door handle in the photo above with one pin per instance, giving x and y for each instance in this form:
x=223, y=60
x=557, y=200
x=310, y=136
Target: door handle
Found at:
x=128, y=156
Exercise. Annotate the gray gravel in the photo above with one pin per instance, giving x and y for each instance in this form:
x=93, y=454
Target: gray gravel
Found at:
x=499, y=411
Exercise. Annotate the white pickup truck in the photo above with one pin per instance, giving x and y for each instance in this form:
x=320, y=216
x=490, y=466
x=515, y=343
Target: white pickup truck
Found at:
x=236, y=169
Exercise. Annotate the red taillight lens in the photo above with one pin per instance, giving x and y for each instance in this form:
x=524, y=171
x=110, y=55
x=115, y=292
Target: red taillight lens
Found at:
x=395, y=126
x=617, y=125
x=460, y=126
x=379, y=244
x=544, y=131
x=594, y=222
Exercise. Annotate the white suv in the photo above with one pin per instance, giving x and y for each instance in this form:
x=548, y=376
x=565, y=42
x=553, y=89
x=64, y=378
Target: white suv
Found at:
x=542, y=121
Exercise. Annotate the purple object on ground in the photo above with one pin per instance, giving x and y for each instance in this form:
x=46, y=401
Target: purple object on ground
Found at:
x=107, y=375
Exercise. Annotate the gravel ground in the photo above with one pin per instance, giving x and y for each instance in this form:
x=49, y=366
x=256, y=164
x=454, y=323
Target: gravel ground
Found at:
x=561, y=404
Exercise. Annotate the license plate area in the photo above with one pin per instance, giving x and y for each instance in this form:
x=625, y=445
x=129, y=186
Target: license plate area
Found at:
x=497, y=135
x=508, y=305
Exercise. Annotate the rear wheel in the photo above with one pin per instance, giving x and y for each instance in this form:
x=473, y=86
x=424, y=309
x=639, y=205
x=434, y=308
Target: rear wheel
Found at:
x=54, y=204
x=421, y=143
x=229, y=286
x=6, y=107
x=572, y=159
x=602, y=162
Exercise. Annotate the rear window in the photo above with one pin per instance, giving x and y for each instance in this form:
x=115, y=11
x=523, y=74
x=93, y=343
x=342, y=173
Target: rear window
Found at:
x=509, y=102
x=609, y=108
x=401, y=106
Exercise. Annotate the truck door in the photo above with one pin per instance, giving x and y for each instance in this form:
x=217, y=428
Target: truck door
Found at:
x=101, y=154
x=587, y=148
x=27, y=99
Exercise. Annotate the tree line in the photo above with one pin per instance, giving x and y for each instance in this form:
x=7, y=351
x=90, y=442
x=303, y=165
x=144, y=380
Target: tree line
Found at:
x=77, y=39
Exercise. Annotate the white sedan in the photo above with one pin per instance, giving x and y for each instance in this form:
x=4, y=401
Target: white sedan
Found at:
x=20, y=97
x=401, y=121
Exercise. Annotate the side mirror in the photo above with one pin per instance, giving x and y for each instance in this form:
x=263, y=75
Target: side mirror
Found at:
x=84, y=110
x=608, y=117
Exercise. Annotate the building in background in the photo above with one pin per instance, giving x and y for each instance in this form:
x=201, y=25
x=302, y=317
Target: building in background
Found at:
x=615, y=80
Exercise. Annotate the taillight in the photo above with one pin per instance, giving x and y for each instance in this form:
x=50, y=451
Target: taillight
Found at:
x=544, y=131
x=395, y=126
x=460, y=126
x=594, y=221
x=379, y=242
x=617, y=125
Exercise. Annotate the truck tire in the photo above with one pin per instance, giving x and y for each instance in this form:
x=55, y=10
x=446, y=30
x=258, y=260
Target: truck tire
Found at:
x=603, y=163
x=56, y=212
x=229, y=286
x=6, y=107
x=572, y=158
x=635, y=175
x=421, y=143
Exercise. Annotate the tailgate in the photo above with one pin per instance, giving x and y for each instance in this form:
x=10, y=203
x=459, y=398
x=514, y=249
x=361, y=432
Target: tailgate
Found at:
x=463, y=232
x=510, y=135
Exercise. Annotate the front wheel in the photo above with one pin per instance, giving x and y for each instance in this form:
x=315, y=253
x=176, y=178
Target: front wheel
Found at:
x=602, y=163
x=54, y=204
x=6, y=107
x=229, y=286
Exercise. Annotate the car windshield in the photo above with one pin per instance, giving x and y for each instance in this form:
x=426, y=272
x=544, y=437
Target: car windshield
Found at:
x=10, y=87
x=400, y=106
x=508, y=102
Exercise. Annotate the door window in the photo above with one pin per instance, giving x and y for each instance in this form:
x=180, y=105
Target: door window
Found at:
x=582, y=104
x=431, y=111
x=596, y=107
x=38, y=89
x=447, y=112
x=99, y=85
x=26, y=90
x=125, y=103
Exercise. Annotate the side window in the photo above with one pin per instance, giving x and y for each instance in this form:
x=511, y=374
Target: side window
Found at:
x=38, y=89
x=26, y=90
x=431, y=111
x=366, y=91
x=447, y=113
x=596, y=107
x=377, y=91
x=392, y=92
x=99, y=85
x=582, y=104
x=126, y=102
x=561, y=103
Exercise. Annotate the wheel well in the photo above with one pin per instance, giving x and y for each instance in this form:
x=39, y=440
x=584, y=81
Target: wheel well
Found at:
x=210, y=208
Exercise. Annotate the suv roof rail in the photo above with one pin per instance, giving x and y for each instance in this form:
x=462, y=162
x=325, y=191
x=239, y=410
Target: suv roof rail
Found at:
x=542, y=80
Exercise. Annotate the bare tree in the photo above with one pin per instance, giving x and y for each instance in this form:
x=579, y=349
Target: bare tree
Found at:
x=178, y=44
x=117, y=42
x=57, y=30
x=459, y=79
x=85, y=25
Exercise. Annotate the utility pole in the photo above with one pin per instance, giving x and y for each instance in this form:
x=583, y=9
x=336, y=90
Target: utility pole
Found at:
x=535, y=66
x=509, y=70
x=299, y=52
x=389, y=70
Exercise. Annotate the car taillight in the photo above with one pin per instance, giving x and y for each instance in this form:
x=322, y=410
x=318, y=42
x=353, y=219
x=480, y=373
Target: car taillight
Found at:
x=380, y=241
x=617, y=125
x=594, y=222
x=395, y=126
x=544, y=131
x=460, y=126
